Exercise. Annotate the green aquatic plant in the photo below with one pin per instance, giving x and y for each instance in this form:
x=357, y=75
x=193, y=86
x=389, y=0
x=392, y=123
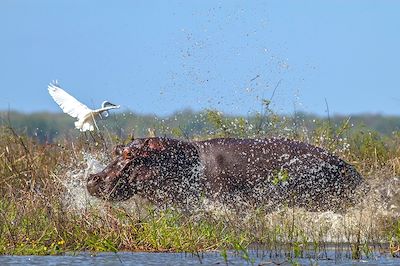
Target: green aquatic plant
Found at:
x=281, y=177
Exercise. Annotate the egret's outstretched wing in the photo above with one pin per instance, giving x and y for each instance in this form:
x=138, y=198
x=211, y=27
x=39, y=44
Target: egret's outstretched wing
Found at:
x=68, y=103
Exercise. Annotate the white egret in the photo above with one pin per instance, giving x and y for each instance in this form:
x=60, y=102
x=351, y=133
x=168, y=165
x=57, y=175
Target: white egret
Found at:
x=70, y=105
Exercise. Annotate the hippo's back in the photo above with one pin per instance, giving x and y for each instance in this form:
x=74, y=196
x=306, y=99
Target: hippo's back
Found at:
x=278, y=170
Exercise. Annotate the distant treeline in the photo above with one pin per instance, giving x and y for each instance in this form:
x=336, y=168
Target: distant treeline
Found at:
x=49, y=127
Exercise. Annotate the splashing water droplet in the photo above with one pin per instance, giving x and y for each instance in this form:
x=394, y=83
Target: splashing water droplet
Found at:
x=76, y=197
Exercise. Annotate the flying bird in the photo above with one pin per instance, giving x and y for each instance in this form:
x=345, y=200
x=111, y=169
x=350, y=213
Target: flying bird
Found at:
x=73, y=107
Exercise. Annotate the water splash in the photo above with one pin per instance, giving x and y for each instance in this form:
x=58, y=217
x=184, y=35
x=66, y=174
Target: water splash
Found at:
x=76, y=198
x=364, y=220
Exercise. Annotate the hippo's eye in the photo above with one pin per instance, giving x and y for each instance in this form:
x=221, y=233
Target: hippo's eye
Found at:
x=127, y=154
x=118, y=149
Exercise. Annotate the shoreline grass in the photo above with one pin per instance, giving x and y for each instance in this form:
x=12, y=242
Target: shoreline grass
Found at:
x=34, y=220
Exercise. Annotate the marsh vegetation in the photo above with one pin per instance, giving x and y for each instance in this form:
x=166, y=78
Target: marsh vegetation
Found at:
x=44, y=208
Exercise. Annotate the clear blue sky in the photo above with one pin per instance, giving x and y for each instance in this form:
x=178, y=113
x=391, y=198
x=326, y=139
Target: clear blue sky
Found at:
x=163, y=56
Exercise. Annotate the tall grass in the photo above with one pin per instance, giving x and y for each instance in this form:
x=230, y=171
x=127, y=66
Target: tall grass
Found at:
x=34, y=220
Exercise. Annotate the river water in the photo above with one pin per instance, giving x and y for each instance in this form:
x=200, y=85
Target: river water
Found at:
x=211, y=258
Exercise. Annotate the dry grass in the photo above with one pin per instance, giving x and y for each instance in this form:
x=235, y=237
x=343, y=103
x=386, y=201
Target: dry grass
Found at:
x=34, y=219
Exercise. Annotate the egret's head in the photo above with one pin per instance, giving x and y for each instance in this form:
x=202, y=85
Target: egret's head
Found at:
x=108, y=104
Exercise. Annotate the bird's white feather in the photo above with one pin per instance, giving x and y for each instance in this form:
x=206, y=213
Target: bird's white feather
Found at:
x=68, y=103
x=85, y=125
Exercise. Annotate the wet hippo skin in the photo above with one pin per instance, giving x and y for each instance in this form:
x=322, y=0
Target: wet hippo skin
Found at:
x=264, y=173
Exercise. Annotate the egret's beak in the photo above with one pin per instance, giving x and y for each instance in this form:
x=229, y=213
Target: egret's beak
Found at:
x=114, y=105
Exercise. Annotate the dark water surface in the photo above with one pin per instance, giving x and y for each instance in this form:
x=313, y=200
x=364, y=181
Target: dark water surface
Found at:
x=144, y=258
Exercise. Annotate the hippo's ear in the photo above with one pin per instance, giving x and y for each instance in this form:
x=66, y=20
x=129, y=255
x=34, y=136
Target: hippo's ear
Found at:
x=154, y=144
x=118, y=150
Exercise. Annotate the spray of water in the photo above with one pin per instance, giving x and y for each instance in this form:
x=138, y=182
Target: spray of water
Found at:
x=381, y=204
x=76, y=197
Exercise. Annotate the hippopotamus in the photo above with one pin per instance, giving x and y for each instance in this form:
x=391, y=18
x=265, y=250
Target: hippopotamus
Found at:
x=254, y=172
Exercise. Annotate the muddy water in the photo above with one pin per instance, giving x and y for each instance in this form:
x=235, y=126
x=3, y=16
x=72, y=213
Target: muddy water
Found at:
x=141, y=258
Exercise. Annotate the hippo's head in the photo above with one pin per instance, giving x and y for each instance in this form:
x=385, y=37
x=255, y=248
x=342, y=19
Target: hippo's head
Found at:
x=133, y=165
